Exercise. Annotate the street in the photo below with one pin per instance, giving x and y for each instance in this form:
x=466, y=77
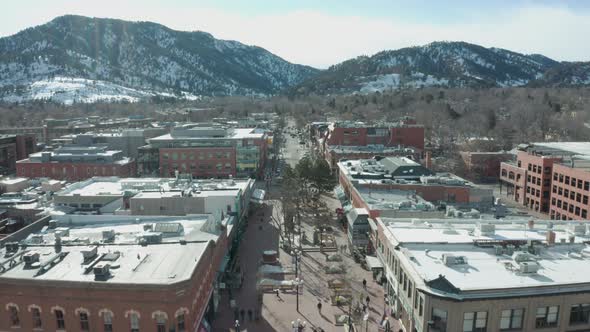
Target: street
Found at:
x=279, y=312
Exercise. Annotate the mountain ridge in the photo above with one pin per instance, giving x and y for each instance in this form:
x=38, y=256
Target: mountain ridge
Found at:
x=145, y=56
x=444, y=64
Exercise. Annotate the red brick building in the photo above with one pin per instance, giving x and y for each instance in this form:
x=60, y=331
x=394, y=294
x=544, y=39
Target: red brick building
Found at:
x=210, y=151
x=75, y=163
x=404, y=133
x=484, y=166
x=404, y=174
x=161, y=284
x=359, y=140
x=550, y=178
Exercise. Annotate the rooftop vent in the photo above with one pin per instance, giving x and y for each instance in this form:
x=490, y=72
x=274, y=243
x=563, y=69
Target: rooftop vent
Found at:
x=487, y=229
x=108, y=236
x=12, y=247
x=101, y=270
x=62, y=232
x=528, y=267
x=31, y=257
x=89, y=253
x=150, y=238
x=522, y=256
x=450, y=260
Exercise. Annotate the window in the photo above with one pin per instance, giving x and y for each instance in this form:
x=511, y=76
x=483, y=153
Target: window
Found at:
x=475, y=321
x=579, y=314
x=535, y=168
x=180, y=323
x=13, y=316
x=586, y=185
x=84, y=324
x=107, y=317
x=530, y=167
x=134, y=321
x=547, y=169
x=547, y=316
x=36, y=317
x=584, y=213
x=560, y=191
x=577, y=211
x=59, y=320
x=554, y=190
x=580, y=184
x=584, y=199
x=421, y=307
x=561, y=178
x=555, y=176
x=578, y=197
x=511, y=319
x=160, y=323
x=439, y=320
x=566, y=193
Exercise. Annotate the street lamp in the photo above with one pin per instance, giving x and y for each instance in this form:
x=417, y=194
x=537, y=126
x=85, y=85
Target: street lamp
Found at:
x=295, y=254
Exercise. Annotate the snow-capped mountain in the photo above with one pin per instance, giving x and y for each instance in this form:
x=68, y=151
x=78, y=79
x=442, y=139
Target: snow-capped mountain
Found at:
x=81, y=59
x=444, y=64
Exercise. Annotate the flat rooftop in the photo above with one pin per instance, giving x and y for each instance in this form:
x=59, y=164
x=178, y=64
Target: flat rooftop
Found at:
x=382, y=199
x=396, y=170
x=165, y=262
x=486, y=265
x=148, y=187
x=373, y=149
x=576, y=148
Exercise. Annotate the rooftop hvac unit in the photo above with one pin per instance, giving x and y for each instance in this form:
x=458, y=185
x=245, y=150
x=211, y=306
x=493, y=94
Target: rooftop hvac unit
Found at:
x=522, y=256
x=12, y=246
x=36, y=239
x=101, y=270
x=487, y=229
x=450, y=260
x=150, y=238
x=578, y=229
x=89, y=253
x=108, y=236
x=528, y=267
x=31, y=257
x=52, y=224
x=62, y=232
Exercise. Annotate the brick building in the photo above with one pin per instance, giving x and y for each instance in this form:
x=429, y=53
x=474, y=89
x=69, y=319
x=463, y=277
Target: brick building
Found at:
x=484, y=166
x=75, y=163
x=357, y=140
x=207, y=151
x=394, y=173
x=550, y=178
x=14, y=148
x=158, y=274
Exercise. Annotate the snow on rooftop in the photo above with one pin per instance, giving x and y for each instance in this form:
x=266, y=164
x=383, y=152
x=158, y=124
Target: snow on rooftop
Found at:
x=165, y=263
x=424, y=242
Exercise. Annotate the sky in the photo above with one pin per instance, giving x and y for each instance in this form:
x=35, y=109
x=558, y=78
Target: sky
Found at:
x=321, y=33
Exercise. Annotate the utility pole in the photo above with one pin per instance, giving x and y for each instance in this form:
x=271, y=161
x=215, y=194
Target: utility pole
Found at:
x=297, y=278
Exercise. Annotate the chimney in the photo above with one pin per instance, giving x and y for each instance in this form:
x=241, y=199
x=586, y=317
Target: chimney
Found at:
x=428, y=159
x=550, y=238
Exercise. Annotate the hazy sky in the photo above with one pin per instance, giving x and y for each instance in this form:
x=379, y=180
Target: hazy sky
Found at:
x=325, y=32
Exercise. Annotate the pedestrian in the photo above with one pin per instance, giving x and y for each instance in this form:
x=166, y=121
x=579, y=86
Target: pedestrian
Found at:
x=278, y=295
x=365, y=284
x=250, y=314
x=242, y=314
x=368, y=299
x=320, y=307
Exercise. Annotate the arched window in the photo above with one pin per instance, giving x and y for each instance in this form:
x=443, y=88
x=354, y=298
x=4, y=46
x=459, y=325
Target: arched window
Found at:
x=13, y=318
x=107, y=319
x=60, y=321
x=181, y=319
x=35, y=311
x=133, y=320
x=161, y=318
x=84, y=315
x=511, y=175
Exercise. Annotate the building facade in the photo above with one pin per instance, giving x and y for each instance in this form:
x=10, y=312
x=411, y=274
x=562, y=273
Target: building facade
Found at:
x=209, y=151
x=75, y=163
x=550, y=178
x=14, y=148
x=161, y=279
x=484, y=275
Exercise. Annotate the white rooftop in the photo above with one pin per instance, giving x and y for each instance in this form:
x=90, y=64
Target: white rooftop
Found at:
x=581, y=148
x=482, y=269
x=165, y=263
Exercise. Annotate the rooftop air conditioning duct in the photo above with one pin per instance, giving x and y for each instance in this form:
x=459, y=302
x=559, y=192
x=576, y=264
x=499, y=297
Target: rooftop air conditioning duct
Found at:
x=89, y=253
x=450, y=260
x=101, y=270
x=31, y=257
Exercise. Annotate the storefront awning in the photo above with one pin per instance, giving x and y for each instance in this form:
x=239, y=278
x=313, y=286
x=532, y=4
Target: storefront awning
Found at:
x=373, y=262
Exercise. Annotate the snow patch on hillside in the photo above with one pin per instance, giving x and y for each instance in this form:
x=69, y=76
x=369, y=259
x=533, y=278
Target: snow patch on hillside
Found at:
x=68, y=90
